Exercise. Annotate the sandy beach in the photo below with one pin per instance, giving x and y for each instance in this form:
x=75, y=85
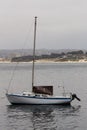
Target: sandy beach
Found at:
x=48, y=61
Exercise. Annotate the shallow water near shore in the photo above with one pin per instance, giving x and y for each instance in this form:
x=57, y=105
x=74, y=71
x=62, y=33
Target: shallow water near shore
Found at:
x=73, y=76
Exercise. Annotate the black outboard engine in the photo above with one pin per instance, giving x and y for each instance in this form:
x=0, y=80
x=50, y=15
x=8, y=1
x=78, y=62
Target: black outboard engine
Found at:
x=75, y=96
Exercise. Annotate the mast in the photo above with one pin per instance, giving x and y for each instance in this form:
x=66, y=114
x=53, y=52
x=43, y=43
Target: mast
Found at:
x=33, y=66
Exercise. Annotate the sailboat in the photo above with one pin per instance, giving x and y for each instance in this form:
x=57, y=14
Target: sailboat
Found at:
x=40, y=95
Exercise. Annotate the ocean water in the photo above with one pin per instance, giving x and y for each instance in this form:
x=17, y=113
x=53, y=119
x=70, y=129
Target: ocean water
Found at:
x=73, y=76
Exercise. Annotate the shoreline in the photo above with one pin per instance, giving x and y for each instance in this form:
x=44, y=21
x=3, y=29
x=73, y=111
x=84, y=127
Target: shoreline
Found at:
x=47, y=61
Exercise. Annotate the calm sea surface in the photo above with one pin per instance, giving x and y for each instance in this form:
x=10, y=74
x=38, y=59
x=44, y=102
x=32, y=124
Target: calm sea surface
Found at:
x=73, y=76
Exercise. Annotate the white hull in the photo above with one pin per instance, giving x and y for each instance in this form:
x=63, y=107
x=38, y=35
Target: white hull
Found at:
x=38, y=100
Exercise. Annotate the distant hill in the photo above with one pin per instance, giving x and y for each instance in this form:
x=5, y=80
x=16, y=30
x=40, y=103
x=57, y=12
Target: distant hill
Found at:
x=8, y=54
x=43, y=54
x=54, y=56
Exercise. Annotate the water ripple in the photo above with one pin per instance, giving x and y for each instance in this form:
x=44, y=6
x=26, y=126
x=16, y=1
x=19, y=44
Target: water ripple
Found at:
x=42, y=117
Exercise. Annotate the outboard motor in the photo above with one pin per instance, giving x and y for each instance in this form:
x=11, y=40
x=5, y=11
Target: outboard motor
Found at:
x=75, y=96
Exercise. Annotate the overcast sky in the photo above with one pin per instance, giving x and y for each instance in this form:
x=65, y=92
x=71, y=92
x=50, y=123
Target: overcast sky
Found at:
x=61, y=24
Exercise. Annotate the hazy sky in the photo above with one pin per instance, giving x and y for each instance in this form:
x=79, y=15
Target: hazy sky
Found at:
x=62, y=24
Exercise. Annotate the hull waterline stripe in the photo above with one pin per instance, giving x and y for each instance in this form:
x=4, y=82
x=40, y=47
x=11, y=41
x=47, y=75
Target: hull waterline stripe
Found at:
x=48, y=98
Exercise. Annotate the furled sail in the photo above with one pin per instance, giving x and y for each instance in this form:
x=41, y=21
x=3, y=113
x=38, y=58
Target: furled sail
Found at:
x=43, y=89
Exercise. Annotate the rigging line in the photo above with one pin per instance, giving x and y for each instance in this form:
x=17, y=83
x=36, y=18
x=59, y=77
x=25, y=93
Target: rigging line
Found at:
x=13, y=72
x=12, y=75
x=26, y=39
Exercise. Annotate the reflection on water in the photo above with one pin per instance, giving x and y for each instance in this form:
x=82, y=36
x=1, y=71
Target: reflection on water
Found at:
x=42, y=117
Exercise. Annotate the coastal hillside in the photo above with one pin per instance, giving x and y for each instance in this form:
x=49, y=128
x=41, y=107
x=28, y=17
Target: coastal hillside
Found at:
x=43, y=54
x=54, y=56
